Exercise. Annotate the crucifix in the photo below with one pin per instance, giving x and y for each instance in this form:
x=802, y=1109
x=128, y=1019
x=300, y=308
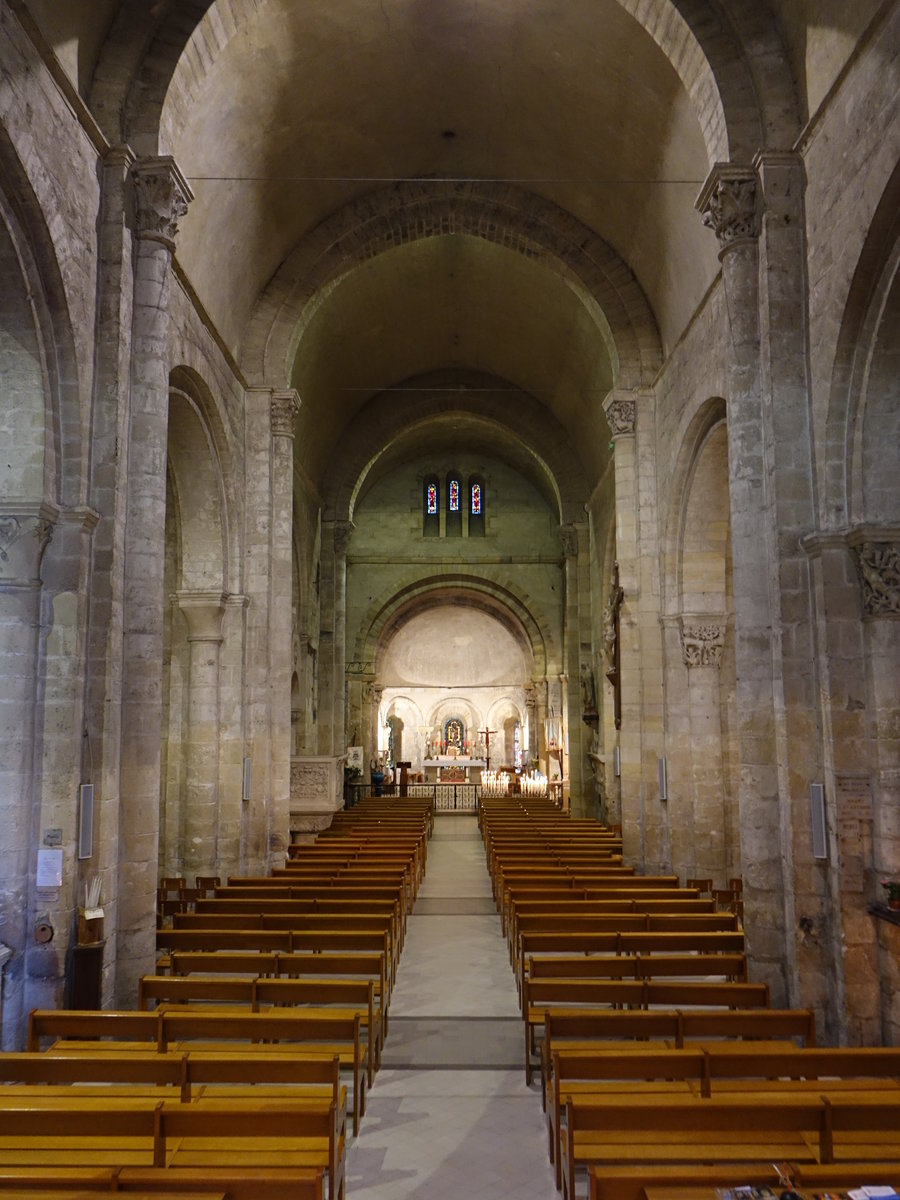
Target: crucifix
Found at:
x=611, y=642
x=486, y=733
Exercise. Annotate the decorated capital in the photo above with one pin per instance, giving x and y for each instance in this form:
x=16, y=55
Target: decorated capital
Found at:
x=702, y=642
x=729, y=204
x=285, y=406
x=878, y=568
x=161, y=198
x=621, y=414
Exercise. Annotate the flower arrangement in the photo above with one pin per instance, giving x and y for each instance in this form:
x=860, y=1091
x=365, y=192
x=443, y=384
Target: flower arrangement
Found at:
x=892, y=887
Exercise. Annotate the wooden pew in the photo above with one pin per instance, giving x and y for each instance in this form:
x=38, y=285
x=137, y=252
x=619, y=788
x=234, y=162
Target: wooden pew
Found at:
x=284, y=941
x=315, y=1033
x=165, y=1136
x=655, y=1028
x=351, y=925
x=38, y=1187
x=277, y=904
x=697, y=1069
x=731, y=967
x=352, y=995
x=700, y=1181
x=660, y=934
x=687, y=1129
x=618, y=901
x=541, y=996
x=364, y=965
x=193, y=1074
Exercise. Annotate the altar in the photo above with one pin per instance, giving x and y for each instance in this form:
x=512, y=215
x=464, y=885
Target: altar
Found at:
x=447, y=768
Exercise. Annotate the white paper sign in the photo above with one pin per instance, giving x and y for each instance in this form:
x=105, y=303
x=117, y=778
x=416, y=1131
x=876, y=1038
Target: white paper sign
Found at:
x=49, y=868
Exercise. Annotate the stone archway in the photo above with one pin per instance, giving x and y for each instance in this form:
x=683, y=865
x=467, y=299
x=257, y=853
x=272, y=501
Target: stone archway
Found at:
x=194, y=631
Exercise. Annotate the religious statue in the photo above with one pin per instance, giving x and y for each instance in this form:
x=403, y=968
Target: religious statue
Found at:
x=611, y=641
x=588, y=692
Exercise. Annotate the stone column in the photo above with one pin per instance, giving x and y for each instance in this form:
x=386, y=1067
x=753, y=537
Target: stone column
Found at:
x=644, y=828
x=203, y=612
x=531, y=749
x=702, y=645
x=110, y=420
x=770, y=470
x=875, y=1018
x=25, y=530
x=285, y=406
x=333, y=599
x=63, y=759
x=161, y=199
x=579, y=801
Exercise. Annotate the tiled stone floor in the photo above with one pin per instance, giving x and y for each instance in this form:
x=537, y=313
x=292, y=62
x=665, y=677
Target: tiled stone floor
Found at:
x=450, y=1117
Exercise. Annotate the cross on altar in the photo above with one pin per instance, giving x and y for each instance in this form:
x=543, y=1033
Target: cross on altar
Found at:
x=486, y=733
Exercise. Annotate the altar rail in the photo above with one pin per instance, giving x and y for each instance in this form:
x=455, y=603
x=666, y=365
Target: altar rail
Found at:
x=448, y=797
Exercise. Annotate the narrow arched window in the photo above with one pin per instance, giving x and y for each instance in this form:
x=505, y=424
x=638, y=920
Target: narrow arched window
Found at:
x=454, y=505
x=431, y=510
x=476, y=506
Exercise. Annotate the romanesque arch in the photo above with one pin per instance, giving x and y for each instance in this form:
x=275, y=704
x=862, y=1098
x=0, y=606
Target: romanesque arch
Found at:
x=502, y=214
x=732, y=65
x=419, y=404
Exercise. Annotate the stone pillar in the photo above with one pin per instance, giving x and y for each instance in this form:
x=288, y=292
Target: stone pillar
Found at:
x=580, y=799
x=702, y=644
x=203, y=612
x=25, y=530
x=644, y=818
x=531, y=749
x=770, y=470
x=161, y=198
x=285, y=405
x=874, y=1011
x=109, y=433
x=333, y=600
x=63, y=758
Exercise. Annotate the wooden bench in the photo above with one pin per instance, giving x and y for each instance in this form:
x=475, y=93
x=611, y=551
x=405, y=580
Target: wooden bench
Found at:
x=732, y=967
x=364, y=965
x=283, y=941
x=619, y=901
x=195, y=1074
x=790, y=1068
x=360, y=931
x=350, y=994
x=689, y=1129
x=277, y=904
x=319, y=1033
x=37, y=1188
x=699, y=1181
x=634, y=1029
x=684, y=938
x=550, y=995
x=165, y=1136
x=568, y=897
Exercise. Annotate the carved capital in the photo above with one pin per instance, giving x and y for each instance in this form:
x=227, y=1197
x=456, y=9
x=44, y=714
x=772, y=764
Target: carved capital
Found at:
x=25, y=532
x=702, y=641
x=161, y=196
x=568, y=536
x=361, y=667
x=729, y=204
x=203, y=612
x=878, y=567
x=343, y=531
x=621, y=415
x=285, y=406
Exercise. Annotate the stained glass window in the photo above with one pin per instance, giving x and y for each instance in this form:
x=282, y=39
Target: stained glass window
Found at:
x=454, y=495
x=432, y=499
x=476, y=500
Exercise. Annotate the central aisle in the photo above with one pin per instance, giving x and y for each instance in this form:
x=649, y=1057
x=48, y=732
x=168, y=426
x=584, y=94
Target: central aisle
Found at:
x=450, y=1117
